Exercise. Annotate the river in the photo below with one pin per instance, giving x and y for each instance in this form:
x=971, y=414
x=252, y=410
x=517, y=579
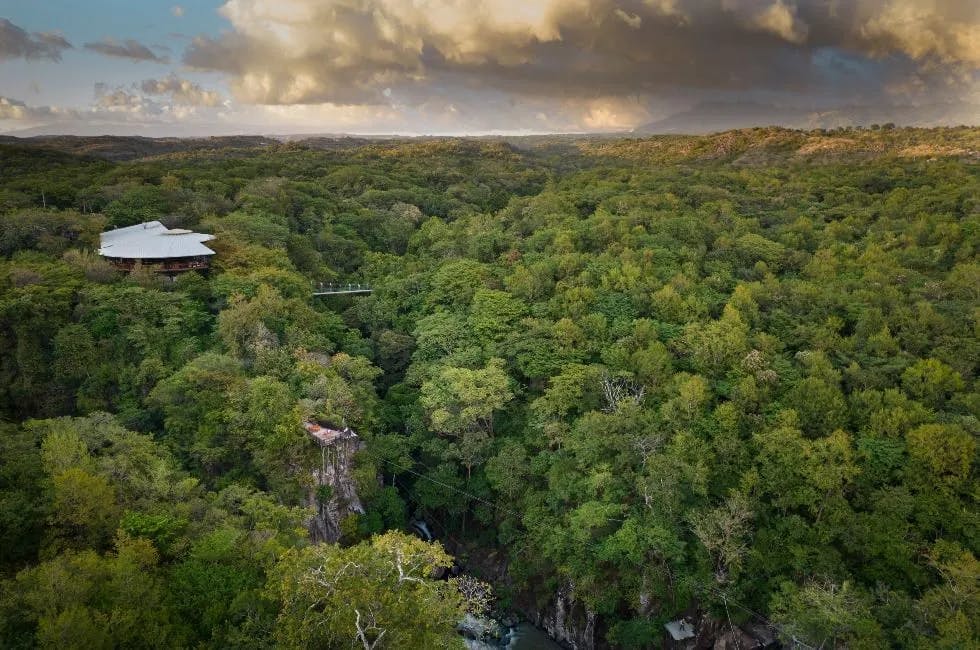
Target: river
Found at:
x=523, y=636
x=527, y=637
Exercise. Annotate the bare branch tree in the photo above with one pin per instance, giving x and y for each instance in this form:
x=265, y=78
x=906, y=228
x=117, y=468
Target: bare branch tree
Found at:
x=616, y=390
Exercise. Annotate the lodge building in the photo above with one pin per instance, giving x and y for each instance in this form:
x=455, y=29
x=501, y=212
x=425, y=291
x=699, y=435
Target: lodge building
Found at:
x=155, y=247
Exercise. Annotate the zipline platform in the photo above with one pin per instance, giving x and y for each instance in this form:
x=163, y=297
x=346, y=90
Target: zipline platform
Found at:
x=326, y=436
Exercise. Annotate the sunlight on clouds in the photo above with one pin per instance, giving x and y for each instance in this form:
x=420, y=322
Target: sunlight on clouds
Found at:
x=632, y=20
x=779, y=19
x=315, y=116
x=559, y=65
x=612, y=115
x=926, y=28
x=771, y=16
x=12, y=109
x=346, y=52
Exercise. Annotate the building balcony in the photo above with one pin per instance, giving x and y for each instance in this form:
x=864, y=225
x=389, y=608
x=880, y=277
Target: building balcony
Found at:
x=174, y=265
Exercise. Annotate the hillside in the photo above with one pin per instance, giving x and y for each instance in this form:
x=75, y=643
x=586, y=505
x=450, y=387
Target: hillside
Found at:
x=778, y=146
x=712, y=117
x=129, y=147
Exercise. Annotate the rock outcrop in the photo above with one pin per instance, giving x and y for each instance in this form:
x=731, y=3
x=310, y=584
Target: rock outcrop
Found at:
x=707, y=633
x=334, y=492
x=568, y=621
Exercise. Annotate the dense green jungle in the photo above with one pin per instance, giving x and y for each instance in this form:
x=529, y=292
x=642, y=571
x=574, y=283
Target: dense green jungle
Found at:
x=728, y=377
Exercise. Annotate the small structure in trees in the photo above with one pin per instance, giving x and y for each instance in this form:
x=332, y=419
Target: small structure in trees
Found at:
x=153, y=246
x=334, y=491
x=680, y=630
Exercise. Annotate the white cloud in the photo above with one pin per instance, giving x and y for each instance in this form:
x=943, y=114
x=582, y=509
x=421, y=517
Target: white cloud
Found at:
x=424, y=66
x=632, y=20
x=16, y=110
x=353, y=52
x=613, y=114
x=181, y=91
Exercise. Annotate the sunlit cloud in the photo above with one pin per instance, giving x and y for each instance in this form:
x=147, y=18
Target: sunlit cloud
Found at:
x=181, y=91
x=337, y=51
x=476, y=66
x=16, y=110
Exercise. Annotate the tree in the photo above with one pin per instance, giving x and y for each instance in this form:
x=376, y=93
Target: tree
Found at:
x=952, y=608
x=194, y=402
x=724, y=531
x=931, y=381
x=460, y=400
x=494, y=314
x=83, y=600
x=508, y=471
x=377, y=594
x=83, y=510
x=819, y=404
x=823, y=613
x=461, y=403
x=945, y=451
x=714, y=347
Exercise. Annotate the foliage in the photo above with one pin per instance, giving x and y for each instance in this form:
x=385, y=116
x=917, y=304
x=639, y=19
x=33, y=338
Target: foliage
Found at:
x=372, y=595
x=653, y=373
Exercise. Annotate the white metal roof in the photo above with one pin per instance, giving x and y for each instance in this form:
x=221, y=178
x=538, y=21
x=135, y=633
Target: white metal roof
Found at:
x=152, y=240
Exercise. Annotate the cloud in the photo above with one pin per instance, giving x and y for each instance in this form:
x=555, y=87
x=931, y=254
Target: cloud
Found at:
x=613, y=114
x=114, y=111
x=170, y=96
x=122, y=101
x=182, y=91
x=632, y=20
x=455, y=66
x=177, y=11
x=386, y=52
x=13, y=109
x=772, y=16
x=946, y=31
x=16, y=43
x=128, y=49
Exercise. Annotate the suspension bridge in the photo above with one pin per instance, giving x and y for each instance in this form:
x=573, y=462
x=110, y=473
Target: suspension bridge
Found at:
x=332, y=289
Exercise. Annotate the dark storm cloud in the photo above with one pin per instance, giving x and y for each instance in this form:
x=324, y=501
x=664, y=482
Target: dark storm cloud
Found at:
x=128, y=49
x=16, y=43
x=358, y=52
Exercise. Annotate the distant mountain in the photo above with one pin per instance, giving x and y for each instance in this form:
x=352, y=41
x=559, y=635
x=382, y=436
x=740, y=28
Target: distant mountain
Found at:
x=712, y=117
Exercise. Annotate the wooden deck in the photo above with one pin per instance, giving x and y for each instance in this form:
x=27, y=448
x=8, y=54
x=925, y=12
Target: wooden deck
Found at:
x=326, y=436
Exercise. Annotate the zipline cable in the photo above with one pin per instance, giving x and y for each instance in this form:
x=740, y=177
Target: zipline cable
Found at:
x=726, y=598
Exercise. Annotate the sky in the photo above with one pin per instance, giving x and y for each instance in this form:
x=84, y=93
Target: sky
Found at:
x=217, y=67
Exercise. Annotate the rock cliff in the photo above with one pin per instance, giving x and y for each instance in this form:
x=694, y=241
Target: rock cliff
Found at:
x=333, y=493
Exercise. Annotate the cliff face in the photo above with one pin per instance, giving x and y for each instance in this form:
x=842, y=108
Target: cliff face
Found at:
x=334, y=493
x=709, y=633
x=568, y=621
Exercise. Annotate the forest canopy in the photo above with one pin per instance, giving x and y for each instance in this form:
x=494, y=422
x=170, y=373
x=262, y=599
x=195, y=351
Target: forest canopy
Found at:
x=732, y=374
